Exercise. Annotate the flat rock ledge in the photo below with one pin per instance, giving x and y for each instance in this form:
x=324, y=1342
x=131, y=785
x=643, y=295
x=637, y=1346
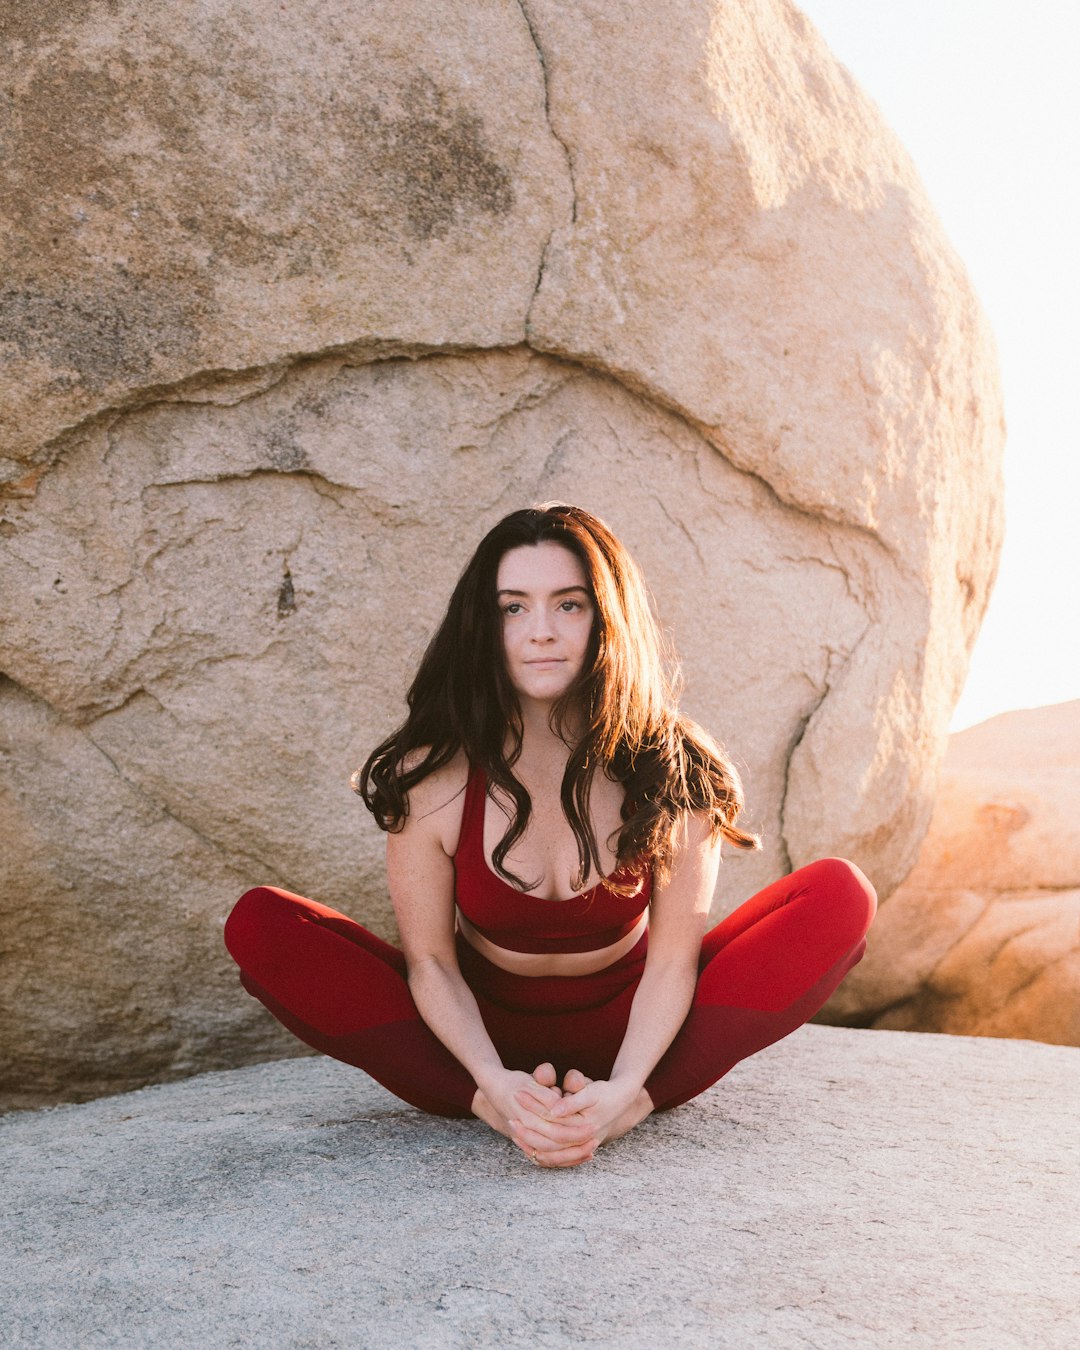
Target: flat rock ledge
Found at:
x=844, y=1187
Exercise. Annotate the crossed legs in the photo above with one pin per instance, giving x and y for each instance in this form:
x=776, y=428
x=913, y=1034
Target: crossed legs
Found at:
x=764, y=971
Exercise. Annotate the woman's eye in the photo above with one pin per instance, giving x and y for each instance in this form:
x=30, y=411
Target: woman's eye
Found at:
x=512, y=608
x=569, y=605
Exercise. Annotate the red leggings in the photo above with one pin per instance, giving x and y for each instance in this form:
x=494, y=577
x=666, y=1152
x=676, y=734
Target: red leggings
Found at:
x=763, y=971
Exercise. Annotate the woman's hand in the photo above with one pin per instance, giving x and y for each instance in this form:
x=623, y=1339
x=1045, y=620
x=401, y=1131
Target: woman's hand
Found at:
x=607, y=1109
x=546, y=1142
x=496, y=1103
x=515, y=1102
x=560, y=1129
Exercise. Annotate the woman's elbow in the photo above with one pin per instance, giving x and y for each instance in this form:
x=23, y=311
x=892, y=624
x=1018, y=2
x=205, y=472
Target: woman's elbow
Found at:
x=423, y=967
x=679, y=970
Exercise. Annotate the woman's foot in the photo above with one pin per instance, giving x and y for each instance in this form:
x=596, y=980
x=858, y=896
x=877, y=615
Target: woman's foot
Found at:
x=635, y=1113
x=482, y=1108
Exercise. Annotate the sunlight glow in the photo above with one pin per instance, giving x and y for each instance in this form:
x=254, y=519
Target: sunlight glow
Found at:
x=984, y=96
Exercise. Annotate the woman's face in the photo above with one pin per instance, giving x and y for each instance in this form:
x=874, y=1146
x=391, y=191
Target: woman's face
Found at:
x=547, y=611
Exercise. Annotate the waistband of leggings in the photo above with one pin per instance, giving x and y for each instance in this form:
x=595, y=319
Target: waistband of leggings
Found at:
x=550, y=993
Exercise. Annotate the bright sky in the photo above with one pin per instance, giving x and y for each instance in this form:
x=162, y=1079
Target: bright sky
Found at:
x=985, y=96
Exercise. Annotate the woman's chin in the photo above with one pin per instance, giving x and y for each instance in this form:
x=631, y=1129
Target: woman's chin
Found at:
x=541, y=690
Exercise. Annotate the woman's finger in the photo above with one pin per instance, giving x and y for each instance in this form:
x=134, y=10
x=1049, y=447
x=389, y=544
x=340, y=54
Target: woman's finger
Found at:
x=540, y=1116
x=550, y=1116
x=533, y=1101
x=549, y=1136
x=565, y=1157
x=529, y=1106
x=545, y=1096
x=572, y=1103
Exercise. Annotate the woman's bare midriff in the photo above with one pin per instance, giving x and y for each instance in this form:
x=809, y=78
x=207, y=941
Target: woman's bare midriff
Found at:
x=552, y=963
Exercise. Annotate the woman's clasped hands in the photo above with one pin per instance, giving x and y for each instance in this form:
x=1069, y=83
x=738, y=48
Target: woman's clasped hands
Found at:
x=564, y=1129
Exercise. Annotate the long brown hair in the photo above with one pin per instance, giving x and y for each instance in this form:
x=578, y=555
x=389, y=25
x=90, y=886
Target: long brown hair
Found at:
x=462, y=699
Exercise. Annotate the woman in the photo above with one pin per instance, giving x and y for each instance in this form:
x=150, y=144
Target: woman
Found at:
x=553, y=837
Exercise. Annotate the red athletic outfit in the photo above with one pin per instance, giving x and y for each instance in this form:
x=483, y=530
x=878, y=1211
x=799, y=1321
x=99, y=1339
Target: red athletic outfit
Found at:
x=528, y=923
x=762, y=972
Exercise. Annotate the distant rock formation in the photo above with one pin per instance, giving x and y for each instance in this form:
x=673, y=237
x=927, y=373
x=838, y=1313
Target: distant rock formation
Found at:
x=296, y=302
x=983, y=938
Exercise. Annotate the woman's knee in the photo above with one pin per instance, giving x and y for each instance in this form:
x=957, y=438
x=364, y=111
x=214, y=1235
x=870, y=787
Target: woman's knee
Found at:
x=849, y=890
x=256, y=918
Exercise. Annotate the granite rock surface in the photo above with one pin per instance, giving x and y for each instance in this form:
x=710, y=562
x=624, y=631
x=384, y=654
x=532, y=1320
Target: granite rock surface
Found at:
x=842, y=1188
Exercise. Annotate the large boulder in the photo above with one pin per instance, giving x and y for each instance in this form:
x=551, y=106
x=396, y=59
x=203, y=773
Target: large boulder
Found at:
x=295, y=306
x=983, y=938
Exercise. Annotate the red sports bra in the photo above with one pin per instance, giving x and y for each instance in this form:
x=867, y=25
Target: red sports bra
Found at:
x=520, y=922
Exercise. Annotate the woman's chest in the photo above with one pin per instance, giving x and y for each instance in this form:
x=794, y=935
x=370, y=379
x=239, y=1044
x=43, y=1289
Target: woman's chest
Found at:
x=547, y=853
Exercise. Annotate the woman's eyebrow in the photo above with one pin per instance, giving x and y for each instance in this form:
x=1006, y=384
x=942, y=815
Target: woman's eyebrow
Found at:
x=566, y=590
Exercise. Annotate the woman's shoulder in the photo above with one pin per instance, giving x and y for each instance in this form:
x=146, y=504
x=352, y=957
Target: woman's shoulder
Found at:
x=436, y=803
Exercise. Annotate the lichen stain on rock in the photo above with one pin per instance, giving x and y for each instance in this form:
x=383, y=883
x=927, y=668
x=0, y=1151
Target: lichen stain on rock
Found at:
x=115, y=328
x=108, y=156
x=20, y=22
x=433, y=156
x=235, y=190
x=67, y=115
x=1003, y=817
x=281, y=452
x=286, y=600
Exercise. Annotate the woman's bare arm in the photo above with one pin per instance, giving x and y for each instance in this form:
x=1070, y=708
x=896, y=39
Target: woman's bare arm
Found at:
x=677, y=924
x=421, y=879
